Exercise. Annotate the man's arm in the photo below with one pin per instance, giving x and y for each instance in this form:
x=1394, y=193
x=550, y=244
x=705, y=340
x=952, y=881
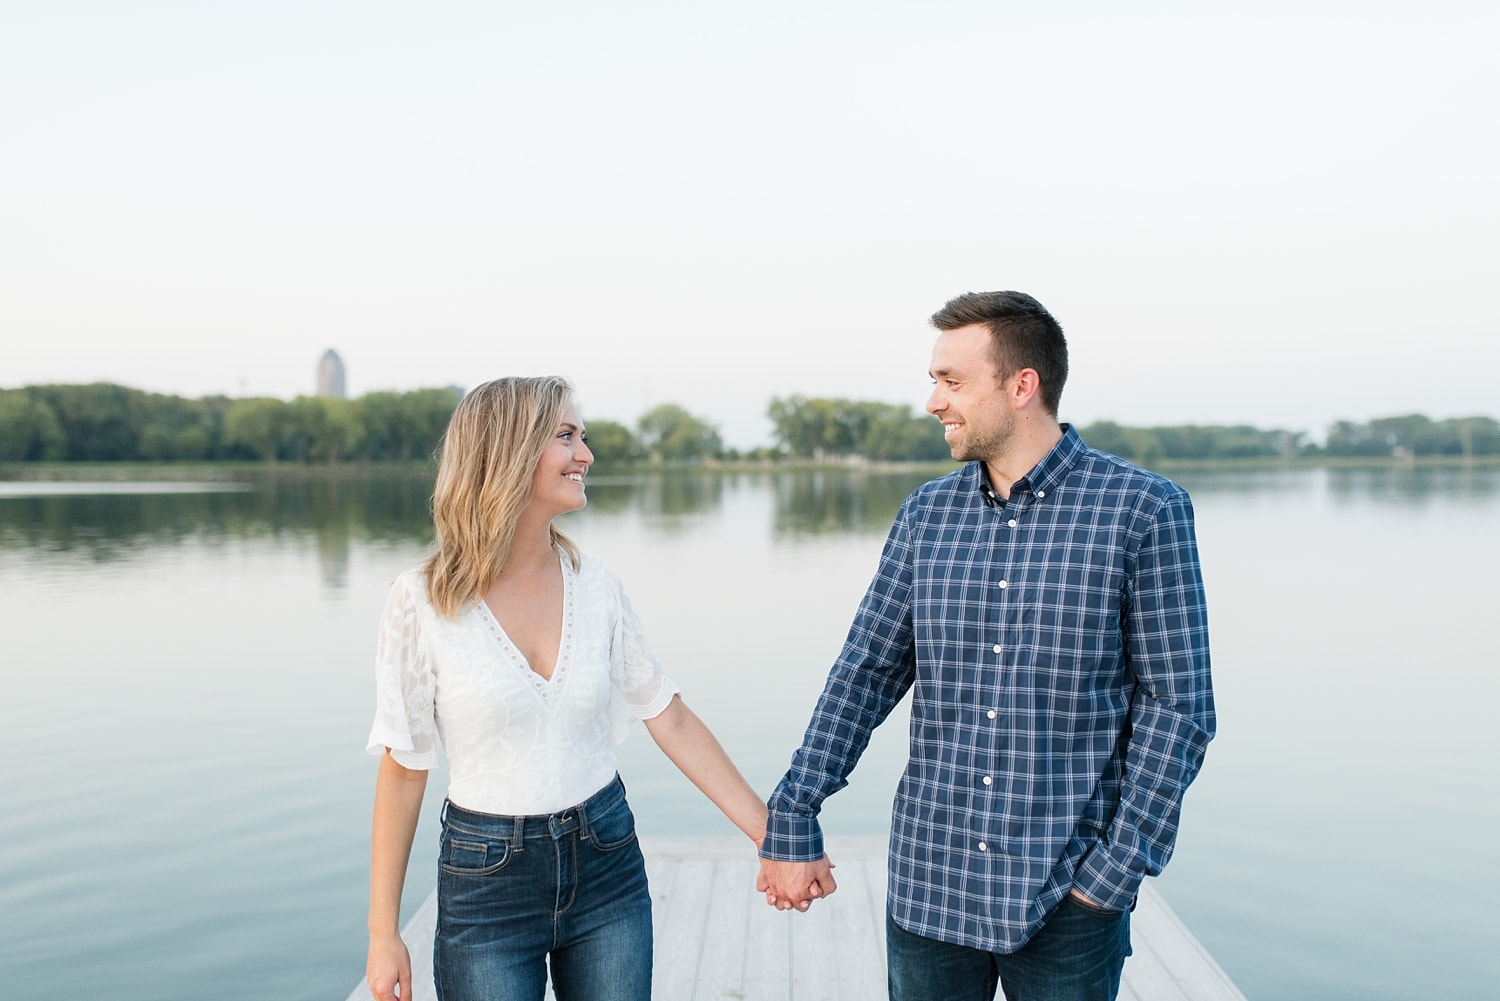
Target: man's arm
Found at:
x=872, y=673
x=1172, y=714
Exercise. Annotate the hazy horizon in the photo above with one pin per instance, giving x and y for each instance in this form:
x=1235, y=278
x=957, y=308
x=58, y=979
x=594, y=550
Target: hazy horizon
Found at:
x=1283, y=216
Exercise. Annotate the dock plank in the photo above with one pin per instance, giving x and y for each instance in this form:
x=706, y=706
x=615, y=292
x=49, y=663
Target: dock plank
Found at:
x=716, y=940
x=722, y=959
x=768, y=951
x=680, y=931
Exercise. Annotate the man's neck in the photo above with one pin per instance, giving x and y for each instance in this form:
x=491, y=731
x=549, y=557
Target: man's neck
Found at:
x=1033, y=439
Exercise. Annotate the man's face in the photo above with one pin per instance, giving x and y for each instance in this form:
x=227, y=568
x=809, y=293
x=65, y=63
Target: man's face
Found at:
x=966, y=396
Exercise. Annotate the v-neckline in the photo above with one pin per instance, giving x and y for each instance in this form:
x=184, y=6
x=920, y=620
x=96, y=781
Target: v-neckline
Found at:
x=543, y=687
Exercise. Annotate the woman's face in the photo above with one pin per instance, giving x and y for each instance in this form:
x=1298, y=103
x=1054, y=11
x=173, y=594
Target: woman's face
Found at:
x=557, y=483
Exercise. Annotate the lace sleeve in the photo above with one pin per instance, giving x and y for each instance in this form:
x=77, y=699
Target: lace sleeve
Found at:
x=640, y=688
x=404, y=719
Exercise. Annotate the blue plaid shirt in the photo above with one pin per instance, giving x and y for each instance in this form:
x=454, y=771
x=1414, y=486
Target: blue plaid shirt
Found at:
x=1057, y=643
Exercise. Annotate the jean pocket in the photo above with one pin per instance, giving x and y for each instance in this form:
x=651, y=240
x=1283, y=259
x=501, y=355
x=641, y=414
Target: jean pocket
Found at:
x=615, y=828
x=1094, y=909
x=474, y=858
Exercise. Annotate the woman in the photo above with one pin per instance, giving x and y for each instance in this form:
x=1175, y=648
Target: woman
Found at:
x=524, y=657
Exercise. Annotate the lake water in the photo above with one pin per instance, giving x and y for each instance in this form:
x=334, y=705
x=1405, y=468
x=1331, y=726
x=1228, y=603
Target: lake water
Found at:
x=187, y=688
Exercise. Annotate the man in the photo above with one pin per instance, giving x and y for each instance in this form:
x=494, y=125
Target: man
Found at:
x=1045, y=603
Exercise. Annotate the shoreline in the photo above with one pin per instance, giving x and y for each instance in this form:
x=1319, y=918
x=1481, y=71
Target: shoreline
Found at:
x=253, y=472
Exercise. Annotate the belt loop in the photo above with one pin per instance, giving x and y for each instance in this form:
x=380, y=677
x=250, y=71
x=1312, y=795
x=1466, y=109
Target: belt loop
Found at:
x=583, y=821
x=517, y=833
x=443, y=814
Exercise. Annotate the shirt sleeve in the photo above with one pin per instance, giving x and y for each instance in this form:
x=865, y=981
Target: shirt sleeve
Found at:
x=1172, y=712
x=404, y=717
x=639, y=687
x=873, y=671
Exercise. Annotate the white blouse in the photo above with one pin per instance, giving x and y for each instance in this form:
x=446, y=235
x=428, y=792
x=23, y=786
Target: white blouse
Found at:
x=516, y=743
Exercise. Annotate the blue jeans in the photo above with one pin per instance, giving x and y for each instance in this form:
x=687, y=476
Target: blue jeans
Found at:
x=514, y=892
x=1077, y=955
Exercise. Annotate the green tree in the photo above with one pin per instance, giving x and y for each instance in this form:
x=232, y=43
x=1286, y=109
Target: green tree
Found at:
x=305, y=418
x=669, y=433
x=425, y=414
x=258, y=424
x=1348, y=439
x=809, y=428
x=29, y=428
x=96, y=420
x=173, y=428
x=1140, y=445
x=385, y=431
x=1477, y=436
x=902, y=436
x=1409, y=434
x=613, y=443
x=338, y=429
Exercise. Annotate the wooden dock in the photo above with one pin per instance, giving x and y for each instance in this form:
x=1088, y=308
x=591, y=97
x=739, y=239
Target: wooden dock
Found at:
x=717, y=939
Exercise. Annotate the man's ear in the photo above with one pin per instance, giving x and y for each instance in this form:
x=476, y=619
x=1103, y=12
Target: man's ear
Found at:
x=1025, y=386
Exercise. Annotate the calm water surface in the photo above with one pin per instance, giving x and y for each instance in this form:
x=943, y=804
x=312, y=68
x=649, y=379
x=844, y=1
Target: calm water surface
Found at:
x=187, y=681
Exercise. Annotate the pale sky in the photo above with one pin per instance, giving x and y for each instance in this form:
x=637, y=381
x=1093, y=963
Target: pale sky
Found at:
x=1283, y=214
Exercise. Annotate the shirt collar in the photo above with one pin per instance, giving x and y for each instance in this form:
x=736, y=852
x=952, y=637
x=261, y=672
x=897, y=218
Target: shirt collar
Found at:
x=1043, y=478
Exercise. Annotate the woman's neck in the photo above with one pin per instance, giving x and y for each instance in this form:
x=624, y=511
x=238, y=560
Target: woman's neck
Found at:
x=529, y=553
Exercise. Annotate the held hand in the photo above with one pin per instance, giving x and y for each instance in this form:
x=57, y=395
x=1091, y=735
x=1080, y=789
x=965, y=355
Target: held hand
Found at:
x=789, y=885
x=388, y=968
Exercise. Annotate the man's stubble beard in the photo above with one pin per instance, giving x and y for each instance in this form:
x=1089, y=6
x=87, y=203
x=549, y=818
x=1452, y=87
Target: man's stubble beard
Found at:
x=986, y=445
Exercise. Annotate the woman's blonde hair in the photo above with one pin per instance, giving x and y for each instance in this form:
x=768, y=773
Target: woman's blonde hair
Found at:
x=487, y=459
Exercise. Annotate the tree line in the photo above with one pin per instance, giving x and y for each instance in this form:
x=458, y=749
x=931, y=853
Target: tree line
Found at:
x=105, y=422
x=1407, y=437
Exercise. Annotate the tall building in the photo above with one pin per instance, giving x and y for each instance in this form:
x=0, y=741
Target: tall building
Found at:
x=331, y=375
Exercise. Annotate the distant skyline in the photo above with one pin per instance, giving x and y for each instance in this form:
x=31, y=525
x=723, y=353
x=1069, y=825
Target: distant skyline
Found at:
x=1280, y=216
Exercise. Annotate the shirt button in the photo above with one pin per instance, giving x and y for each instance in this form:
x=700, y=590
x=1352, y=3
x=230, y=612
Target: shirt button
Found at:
x=988, y=780
x=1041, y=493
x=983, y=847
x=995, y=648
x=992, y=714
x=1013, y=523
x=1003, y=584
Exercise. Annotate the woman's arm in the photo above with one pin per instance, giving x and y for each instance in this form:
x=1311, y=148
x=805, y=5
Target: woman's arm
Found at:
x=695, y=751
x=398, y=802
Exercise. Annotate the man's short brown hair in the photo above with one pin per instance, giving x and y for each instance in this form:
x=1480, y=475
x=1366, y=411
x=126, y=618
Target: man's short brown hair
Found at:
x=1022, y=335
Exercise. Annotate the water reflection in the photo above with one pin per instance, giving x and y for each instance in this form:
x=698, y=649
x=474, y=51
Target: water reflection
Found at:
x=1401, y=485
x=1368, y=484
x=112, y=525
x=823, y=502
x=672, y=495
